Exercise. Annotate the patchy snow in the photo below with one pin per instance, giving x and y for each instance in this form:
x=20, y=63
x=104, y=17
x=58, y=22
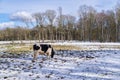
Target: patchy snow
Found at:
x=66, y=65
x=60, y=42
x=94, y=61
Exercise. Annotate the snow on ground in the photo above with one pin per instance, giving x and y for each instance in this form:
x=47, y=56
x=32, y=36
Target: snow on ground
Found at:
x=67, y=65
x=95, y=62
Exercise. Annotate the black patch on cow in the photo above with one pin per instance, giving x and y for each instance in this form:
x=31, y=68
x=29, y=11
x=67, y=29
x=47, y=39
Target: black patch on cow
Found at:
x=35, y=47
x=44, y=47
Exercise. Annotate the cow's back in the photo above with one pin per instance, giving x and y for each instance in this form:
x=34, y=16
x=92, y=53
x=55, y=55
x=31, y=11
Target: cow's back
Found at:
x=44, y=47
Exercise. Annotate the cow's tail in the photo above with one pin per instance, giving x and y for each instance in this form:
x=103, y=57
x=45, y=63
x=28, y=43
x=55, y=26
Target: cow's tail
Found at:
x=52, y=53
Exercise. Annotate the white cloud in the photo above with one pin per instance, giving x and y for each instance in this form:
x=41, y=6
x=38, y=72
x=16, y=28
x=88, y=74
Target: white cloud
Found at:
x=23, y=15
x=7, y=24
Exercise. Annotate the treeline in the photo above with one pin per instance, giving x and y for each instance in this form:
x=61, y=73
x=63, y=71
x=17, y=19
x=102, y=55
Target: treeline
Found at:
x=90, y=25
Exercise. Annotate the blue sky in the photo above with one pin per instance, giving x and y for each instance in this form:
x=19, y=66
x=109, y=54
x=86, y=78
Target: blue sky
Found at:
x=9, y=7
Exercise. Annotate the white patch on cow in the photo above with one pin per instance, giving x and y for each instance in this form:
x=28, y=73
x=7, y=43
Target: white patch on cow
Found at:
x=49, y=51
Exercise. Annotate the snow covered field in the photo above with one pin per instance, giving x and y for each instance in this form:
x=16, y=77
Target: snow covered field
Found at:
x=92, y=63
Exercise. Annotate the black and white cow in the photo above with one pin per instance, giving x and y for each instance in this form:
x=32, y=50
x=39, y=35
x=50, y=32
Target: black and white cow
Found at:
x=43, y=49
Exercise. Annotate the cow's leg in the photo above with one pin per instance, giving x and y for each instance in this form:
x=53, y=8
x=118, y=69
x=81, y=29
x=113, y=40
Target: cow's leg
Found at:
x=48, y=52
x=35, y=55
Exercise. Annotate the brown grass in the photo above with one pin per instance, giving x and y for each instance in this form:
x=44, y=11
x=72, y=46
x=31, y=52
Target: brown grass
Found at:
x=28, y=48
x=18, y=48
x=65, y=47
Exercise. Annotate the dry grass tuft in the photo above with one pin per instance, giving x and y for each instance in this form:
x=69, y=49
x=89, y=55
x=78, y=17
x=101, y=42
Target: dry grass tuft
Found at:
x=65, y=47
x=18, y=48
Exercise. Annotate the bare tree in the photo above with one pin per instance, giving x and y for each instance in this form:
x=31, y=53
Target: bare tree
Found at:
x=40, y=20
x=50, y=15
x=70, y=22
x=117, y=10
x=86, y=21
x=111, y=26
